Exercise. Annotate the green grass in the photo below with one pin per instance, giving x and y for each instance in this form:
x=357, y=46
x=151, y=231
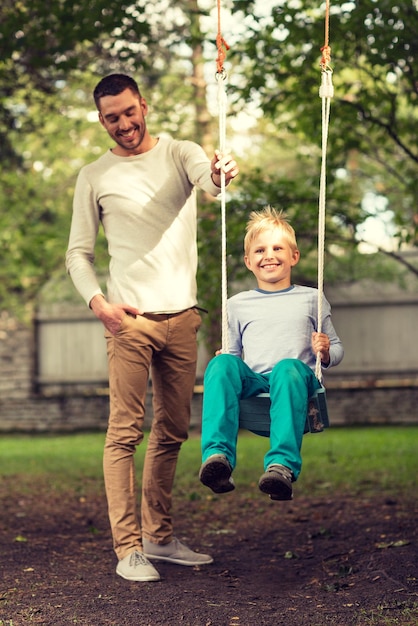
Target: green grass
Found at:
x=68, y=462
x=358, y=461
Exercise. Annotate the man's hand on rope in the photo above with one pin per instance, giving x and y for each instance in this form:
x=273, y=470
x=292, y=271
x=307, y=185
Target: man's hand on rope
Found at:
x=223, y=163
x=321, y=343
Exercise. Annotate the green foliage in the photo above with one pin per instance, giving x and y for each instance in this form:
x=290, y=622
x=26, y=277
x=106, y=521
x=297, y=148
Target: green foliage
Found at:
x=29, y=252
x=36, y=196
x=373, y=130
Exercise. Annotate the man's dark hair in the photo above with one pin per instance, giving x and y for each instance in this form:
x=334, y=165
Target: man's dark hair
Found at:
x=113, y=85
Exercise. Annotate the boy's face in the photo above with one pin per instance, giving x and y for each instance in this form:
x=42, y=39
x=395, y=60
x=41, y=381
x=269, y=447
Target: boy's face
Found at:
x=271, y=259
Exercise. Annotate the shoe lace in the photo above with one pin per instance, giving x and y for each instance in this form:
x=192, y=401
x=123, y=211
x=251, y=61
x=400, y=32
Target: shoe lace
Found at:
x=137, y=559
x=285, y=472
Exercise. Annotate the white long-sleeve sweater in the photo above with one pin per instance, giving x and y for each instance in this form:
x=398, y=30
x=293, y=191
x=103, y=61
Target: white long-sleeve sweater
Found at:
x=147, y=206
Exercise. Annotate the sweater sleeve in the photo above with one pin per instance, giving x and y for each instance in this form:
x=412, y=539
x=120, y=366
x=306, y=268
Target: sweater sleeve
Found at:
x=79, y=259
x=197, y=166
x=234, y=332
x=336, y=351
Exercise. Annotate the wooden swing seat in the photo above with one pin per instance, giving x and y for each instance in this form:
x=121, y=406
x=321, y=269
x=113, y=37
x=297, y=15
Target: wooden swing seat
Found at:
x=255, y=413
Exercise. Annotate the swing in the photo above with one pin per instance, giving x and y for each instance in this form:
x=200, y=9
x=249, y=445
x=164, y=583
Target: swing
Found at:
x=255, y=411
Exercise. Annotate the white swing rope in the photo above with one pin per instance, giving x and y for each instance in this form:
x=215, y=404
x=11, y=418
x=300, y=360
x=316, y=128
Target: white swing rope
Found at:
x=326, y=92
x=222, y=101
x=222, y=107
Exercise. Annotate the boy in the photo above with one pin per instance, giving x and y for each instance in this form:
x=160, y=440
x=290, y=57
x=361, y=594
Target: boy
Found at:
x=273, y=343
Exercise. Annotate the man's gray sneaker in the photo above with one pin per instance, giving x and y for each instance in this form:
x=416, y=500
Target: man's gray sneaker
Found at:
x=277, y=482
x=175, y=552
x=136, y=566
x=215, y=473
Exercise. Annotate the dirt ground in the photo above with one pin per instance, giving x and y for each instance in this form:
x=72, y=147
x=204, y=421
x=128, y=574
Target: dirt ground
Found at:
x=312, y=561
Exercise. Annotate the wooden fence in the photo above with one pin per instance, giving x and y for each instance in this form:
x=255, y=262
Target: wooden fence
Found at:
x=53, y=375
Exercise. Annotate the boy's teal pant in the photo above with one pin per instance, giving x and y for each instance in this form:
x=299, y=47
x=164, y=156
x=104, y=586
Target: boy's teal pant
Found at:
x=228, y=379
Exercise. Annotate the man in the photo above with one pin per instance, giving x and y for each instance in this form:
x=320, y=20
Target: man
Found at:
x=142, y=191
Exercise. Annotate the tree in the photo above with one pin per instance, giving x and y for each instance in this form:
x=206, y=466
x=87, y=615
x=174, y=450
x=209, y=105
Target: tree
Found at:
x=373, y=131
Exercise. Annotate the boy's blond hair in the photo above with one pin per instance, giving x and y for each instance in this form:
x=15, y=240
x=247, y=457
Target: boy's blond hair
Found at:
x=264, y=220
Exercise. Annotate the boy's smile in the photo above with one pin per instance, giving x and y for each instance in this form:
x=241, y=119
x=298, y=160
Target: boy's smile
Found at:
x=271, y=259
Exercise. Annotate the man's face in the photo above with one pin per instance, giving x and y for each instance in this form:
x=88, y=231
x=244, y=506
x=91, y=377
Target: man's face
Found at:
x=123, y=116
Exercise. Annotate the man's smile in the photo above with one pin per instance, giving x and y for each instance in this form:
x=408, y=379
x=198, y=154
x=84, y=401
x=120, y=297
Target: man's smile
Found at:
x=128, y=134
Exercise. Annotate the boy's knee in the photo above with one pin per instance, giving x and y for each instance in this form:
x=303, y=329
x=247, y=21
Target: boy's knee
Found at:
x=289, y=369
x=287, y=365
x=222, y=365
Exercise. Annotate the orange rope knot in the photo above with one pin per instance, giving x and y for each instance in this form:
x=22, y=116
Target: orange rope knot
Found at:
x=222, y=48
x=326, y=58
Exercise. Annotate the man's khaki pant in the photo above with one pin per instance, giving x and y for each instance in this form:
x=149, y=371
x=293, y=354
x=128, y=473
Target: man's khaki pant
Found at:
x=166, y=343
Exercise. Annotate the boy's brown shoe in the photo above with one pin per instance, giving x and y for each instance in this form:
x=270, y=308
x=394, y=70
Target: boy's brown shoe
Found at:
x=277, y=482
x=215, y=473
